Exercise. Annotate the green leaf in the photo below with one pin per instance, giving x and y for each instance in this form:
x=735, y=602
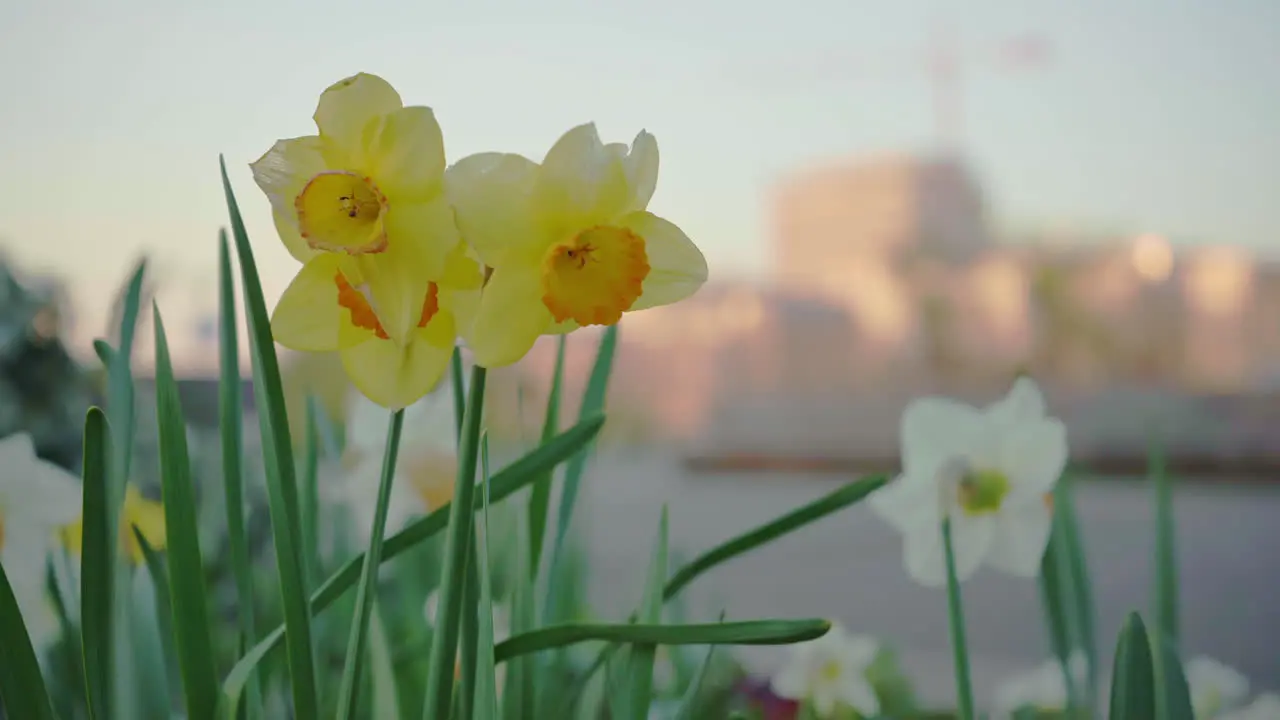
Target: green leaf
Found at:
x=1132, y=678
x=106, y=354
x=121, y=414
x=518, y=697
x=485, y=701
x=97, y=565
x=186, y=569
x=386, y=699
x=1172, y=694
x=21, y=685
x=955, y=614
x=230, y=419
x=689, y=703
x=164, y=618
x=846, y=496
x=540, y=499
x=444, y=641
x=750, y=632
x=1067, y=595
x=507, y=481
x=353, y=669
x=282, y=489
x=640, y=667
x=592, y=404
x=1166, y=561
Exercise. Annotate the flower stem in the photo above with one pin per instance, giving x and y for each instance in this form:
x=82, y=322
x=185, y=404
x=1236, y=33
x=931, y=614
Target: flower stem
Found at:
x=955, y=610
x=352, y=670
x=444, y=641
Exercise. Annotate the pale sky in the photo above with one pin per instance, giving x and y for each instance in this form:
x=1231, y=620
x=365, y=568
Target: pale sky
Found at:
x=1156, y=115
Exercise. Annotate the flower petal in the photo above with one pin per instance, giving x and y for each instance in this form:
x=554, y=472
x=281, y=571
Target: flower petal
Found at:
x=926, y=560
x=33, y=491
x=640, y=163
x=935, y=430
x=146, y=515
x=420, y=236
x=392, y=376
x=510, y=318
x=287, y=229
x=1033, y=455
x=308, y=316
x=857, y=693
x=492, y=196
x=677, y=267
x=406, y=154
x=286, y=168
x=1021, y=535
x=348, y=106
x=1023, y=402
x=580, y=183
x=908, y=502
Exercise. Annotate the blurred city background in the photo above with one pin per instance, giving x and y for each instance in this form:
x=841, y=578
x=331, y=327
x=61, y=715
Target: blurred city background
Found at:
x=895, y=199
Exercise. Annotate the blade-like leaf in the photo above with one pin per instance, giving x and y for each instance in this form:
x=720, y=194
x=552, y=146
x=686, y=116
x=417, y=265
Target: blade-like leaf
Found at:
x=1132, y=679
x=841, y=498
x=444, y=641
x=485, y=701
x=640, y=667
x=164, y=619
x=353, y=670
x=1173, y=695
x=592, y=404
x=187, y=591
x=518, y=698
x=21, y=685
x=507, y=481
x=282, y=489
x=750, y=632
x=230, y=420
x=540, y=499
x=1166, y=561
x=689, y=703
x=386, y=698
x=97, y=566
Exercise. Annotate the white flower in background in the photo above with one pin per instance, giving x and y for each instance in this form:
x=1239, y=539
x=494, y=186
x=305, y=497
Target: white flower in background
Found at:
x=1215, y=687
x=991, y=470
x=425, y=469
x=1043, y=688
x=830, y=671
x=1265, y=707
x=37, y=498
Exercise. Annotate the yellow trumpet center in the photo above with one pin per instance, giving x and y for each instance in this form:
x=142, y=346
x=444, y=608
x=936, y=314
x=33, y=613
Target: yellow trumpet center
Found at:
x=983, y=491
x=340, y=211
x=594, y=277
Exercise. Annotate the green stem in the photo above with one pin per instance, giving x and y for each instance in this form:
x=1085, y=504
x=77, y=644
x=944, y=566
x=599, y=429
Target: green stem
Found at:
x=955, y=611
x=444, y=641
x=349, y=691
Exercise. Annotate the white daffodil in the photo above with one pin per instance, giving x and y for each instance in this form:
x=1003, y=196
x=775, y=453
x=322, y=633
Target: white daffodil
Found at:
x=829, y=672
x=990, y=470
x=1264, y=707
x=1044, y=688
x=1215, y=687
x=425, y=469
x=37, y=498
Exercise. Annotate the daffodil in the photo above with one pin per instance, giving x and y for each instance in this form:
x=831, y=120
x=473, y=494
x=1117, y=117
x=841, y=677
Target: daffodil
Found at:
x=830, y=672
x=425, y=468
x=367, y=190
x=36, y=499
x=991, y=471
x=1043, y=689
x=569, y=242
x=146, y=515
x=1215, y=687
x=1264, y=707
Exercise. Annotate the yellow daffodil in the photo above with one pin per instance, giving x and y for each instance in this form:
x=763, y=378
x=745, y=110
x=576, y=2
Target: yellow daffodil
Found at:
x=569, y=241
x=323, y=310
x=138, y=511
x=366, y=193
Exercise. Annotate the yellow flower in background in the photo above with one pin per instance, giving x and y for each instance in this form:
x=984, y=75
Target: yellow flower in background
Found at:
x=366, y=192
x=569, y=241
x=323, y=310
x=138, y=511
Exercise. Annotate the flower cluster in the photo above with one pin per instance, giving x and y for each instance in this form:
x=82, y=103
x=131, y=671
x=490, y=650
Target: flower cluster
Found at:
x=403, y=254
